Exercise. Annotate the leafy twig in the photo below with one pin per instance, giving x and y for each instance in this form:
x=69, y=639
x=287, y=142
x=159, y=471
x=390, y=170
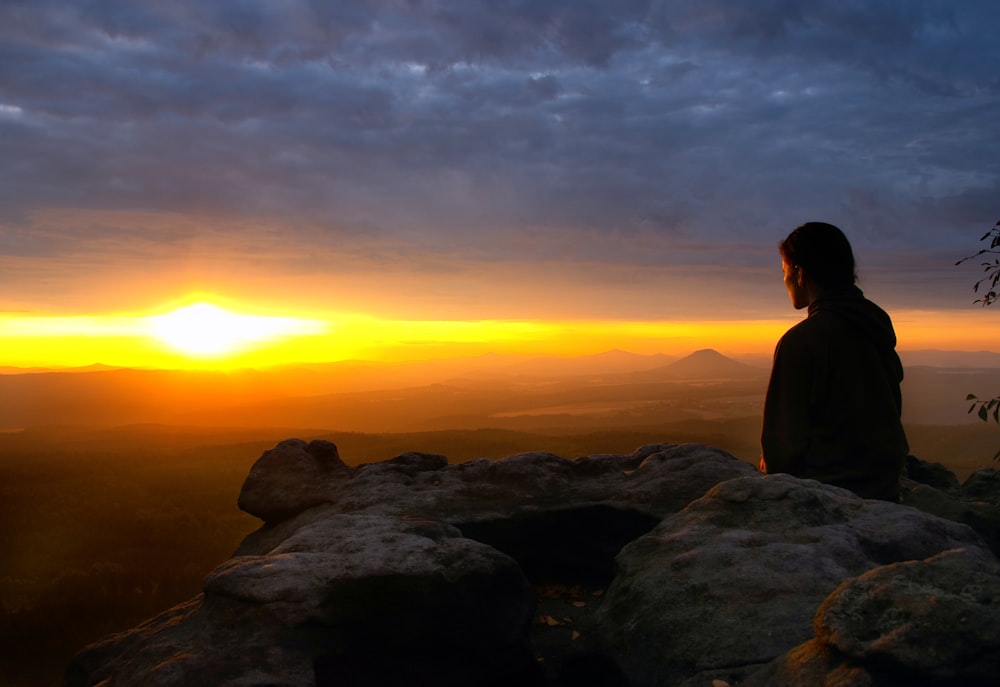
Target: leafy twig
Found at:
x=986, y=408
x=992, y=269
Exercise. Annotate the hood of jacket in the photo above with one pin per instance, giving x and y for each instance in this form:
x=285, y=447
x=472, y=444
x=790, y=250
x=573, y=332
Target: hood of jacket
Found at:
x=850, y=304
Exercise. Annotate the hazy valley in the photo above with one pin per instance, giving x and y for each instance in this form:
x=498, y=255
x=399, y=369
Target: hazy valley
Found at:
x=610, y=389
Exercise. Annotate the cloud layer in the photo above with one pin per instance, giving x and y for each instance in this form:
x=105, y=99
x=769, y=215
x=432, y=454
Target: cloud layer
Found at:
x=432, y=136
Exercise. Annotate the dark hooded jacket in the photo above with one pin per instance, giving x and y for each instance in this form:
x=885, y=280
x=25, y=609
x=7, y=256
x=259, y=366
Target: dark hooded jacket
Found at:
x=833, y=404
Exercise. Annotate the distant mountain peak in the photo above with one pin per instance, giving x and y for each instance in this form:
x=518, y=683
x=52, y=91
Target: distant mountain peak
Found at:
x=706, y=353
x=708, y=363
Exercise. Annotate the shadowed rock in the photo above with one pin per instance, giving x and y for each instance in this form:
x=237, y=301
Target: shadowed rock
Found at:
x=983, y=486
x=927, y=623
x=734, y=579
x=933, y=489
x=413, y=571
x=361, y=576
x=344, y=593
x=656, y=480
x=290, y=477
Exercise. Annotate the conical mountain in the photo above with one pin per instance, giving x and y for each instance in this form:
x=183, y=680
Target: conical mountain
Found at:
x=707, y=363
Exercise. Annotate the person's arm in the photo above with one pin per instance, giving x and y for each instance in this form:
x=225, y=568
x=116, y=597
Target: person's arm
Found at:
x=785, y=434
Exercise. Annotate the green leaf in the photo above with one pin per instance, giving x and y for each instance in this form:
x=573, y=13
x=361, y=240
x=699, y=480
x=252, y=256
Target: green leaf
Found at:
x=971, y=397
x=982, y=413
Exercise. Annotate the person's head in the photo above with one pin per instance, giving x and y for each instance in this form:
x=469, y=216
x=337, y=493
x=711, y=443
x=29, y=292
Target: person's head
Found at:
x=815, y=257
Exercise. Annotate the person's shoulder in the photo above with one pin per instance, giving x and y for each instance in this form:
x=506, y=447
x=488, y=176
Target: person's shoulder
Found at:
x=817, y=322
x=878, y=312
x=806, y=338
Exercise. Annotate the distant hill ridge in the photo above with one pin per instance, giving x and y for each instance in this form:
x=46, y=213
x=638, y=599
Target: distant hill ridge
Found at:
x=494, y=391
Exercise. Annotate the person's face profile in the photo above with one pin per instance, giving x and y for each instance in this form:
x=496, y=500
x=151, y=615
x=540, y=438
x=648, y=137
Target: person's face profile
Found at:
x=795, y=283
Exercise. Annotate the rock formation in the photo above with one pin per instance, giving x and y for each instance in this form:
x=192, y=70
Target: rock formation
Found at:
x=735, y=578
x=932, y=488
x=414, y=571
x=928, y=622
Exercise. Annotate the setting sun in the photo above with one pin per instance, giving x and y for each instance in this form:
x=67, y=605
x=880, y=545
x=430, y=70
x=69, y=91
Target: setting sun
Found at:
x=221, y=333
x=205, y=330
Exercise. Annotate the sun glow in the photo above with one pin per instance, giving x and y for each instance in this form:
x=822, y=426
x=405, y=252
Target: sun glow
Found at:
x=218, y=333
x=206, y=330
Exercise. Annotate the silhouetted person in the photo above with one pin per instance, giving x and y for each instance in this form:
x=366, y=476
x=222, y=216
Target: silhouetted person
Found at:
x=833, y=405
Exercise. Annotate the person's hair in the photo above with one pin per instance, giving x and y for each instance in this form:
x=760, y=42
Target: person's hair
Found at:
x=824, y=253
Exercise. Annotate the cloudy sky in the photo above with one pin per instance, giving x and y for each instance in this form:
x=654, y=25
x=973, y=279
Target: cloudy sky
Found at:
x=517, y=159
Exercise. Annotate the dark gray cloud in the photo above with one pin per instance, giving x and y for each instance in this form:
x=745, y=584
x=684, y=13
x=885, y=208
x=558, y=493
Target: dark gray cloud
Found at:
x=632, y=132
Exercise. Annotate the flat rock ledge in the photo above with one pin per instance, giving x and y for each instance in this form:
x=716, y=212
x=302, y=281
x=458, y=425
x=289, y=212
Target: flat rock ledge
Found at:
x=675, y=565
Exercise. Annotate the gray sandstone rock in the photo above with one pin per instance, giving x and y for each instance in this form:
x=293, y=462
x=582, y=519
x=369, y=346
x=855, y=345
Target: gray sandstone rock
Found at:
x=932, y=474
x=416, y=572
x=983, y=486
x=289, y=478
x=326, y=603
x=932, y=622
x=937, y=618
x=379, y=575
x=976, y=503
x=734, y=579
x=657, y=479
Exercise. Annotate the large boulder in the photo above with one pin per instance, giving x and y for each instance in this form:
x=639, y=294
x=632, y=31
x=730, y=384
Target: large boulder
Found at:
x=409, y=571
x=734, y=580
x=656, y=479
x=414, y=571
x=983, y=486
x=930, y=623
x=933, y=488
x=344, y=599
x=290, y=478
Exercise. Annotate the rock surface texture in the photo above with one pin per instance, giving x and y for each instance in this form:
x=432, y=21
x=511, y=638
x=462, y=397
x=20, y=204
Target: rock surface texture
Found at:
x=931, y=488
x=675, y=565
x=929, y=622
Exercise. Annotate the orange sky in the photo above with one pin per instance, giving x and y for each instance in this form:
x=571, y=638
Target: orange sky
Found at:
x=238, y=335
x=400, y=305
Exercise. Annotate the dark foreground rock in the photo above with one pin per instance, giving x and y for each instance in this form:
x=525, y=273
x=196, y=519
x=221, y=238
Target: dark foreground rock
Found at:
x=734, y=579
x=933, y=489
x=924, y=623
x=416, y=572
x=346, y=599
